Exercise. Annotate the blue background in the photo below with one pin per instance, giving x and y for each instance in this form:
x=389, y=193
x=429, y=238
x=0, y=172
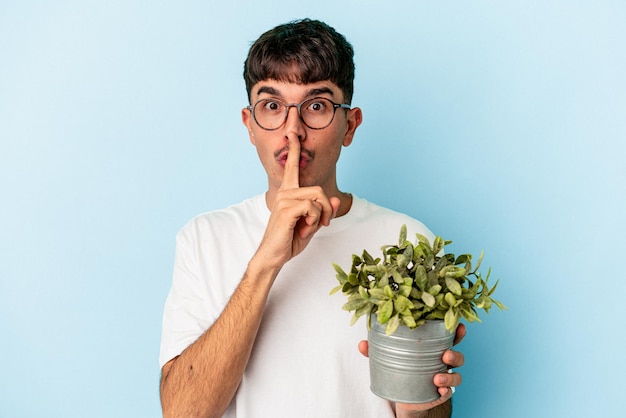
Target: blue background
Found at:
x=501, y=125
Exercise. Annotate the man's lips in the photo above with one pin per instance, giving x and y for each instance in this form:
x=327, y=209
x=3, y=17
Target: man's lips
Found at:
x=305, y=157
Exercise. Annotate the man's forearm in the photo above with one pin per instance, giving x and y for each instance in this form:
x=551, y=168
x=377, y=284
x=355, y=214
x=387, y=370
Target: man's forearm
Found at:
x=202, y=381
x=441, y=411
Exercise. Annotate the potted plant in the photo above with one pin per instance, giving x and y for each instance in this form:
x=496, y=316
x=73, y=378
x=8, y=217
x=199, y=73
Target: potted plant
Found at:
x=414, y=297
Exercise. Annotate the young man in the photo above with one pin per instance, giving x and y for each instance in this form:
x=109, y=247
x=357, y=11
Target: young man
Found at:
x=249, y=329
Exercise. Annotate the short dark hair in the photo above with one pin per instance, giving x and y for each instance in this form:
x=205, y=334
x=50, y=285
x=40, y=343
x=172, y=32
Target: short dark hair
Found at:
x=302, y=51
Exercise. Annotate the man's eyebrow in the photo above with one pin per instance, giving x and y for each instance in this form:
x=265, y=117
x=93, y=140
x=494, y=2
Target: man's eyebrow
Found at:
x=268, y=90
x=320, y=90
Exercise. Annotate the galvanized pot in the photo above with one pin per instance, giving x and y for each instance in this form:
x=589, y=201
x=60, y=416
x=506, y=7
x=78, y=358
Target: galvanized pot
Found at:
x=403, y=365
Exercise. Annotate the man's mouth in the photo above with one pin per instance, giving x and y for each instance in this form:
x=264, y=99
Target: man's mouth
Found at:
x=305, y=157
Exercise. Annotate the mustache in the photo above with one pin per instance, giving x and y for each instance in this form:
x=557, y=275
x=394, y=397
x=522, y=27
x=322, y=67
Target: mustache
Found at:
x=310, y=154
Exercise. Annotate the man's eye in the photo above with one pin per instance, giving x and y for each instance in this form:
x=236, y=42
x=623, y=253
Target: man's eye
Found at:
x=272, y=106
x=317, y=106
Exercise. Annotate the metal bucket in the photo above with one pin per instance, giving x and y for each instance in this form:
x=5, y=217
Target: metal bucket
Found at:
x=403, y=365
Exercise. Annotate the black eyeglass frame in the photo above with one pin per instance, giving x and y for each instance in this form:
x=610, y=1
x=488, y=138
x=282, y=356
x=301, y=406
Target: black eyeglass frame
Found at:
x=298, y=107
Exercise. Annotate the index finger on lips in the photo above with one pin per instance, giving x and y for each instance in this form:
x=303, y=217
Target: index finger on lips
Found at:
x=291, y=173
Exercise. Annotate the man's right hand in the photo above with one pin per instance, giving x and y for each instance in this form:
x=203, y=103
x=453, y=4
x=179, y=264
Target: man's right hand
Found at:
x=296, y=215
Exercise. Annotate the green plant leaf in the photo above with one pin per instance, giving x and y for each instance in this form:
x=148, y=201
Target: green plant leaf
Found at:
x=402, y=304
x=480, y=260
x=500, y=306
x=483, y=302
x=493, y=289
x=451, y=319
x=450, y=300
x=383, y=282
x=377, y=293
x=405, y=290
x=366, y=308
x=362, y=278
x=397, y=277
x=402, y=237
x=436, y=315
x=388, y=291
x=428, y=299
x=373, y=269
x=434, y=290
x=392, y=325
x=408, y=320
x=385, y=312
x=402, y=261
x=441, y=263
x=353, y=279
x=421, y=278
x=453, y=286
x=347, y=287
x=353, y=304
x=429, y=261
x=363, y=292
x=468, y=294
x=341, y=275
x=433, y=278
x=356, y=261
x=422, y=239
x=438, y=245
x=469, y=314
x=336, y=289
x=417, y=304
x=452, y=271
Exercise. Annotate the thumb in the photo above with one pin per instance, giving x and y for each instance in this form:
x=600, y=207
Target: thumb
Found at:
x=334, y=203
x=364, y=348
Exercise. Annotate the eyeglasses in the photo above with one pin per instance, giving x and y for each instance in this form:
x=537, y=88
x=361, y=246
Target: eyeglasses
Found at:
x=316, y=113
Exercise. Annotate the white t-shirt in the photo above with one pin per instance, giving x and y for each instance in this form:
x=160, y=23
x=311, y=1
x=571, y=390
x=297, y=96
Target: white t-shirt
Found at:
x=305, y=360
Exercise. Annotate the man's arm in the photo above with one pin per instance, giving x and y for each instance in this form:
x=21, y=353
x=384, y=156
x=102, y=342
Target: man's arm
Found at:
x=441, y=408
x=203, y=379
x=441, y=411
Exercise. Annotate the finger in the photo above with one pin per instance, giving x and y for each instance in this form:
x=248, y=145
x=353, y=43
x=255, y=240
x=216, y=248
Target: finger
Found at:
x=317, y=214
x=309, y=223
x=291, y=173
x=445, y=393
x=446, y=380
x=316, y=207
x=453, y=358
x=328, y=216
x=460, y=334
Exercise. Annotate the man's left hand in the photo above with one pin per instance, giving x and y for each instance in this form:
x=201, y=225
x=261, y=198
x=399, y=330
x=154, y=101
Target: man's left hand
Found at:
x=444, y=381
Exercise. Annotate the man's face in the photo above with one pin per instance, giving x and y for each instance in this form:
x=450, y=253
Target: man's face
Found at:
x=320, y=148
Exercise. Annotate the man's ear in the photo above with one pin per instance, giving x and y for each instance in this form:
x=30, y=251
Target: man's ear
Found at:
x=246, y=118
x=353, y=120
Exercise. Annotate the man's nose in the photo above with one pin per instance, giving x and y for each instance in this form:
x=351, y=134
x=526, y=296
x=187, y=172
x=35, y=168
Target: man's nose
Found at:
x=294, y=123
